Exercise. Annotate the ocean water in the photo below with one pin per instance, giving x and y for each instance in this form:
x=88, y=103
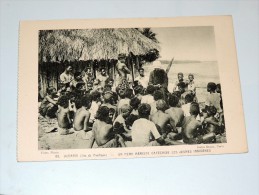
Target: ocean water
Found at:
x=203, y=72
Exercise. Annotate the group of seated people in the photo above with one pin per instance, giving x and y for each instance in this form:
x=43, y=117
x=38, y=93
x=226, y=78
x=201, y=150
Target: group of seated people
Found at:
x=135, y=116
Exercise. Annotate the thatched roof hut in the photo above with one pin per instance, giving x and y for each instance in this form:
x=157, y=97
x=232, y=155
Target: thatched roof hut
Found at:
x=92, y=44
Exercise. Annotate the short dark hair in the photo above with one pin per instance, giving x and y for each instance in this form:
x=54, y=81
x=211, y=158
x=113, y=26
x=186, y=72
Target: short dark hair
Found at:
x=122, y=93
x=212, y=110
x=78, y=102
x=158, y=95
x=102, y=113
x=50, y=90
x=138, y=89
x=134, y=102
x=177, y=94
x=212, y=86
x=128, y=93
x=188, y=98
x=131, y=119
x=95, y=95
x=194, y=108
x=144, y=110
x=63, y=101
x=86, y=100
x=150, y=89
x=141, y=69
x=173, y=100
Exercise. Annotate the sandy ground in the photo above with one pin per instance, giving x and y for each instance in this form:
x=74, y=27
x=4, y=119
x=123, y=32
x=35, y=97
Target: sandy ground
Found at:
x=54, y=140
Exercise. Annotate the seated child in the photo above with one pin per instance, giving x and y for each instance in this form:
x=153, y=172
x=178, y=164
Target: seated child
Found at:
x=134, y=103
x=191, y=129
x=139, y=90
x=211, y=124
x=125, y=99
x=176, y=114
x=96, y=102
x=213, y=99
x=64, y=120
x=103, y=133
x=108, y=101
x=161, y=119
x=48, y=106
x=186, y=107
x=143, y=130
x=82, y=115
x=120, y=120
x=158, y=95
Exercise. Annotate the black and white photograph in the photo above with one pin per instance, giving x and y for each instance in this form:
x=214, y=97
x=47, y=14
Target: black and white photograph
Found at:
x=129, y=87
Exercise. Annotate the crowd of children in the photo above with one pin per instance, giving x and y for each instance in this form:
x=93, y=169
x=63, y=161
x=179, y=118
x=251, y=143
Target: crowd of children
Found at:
x=131, y=115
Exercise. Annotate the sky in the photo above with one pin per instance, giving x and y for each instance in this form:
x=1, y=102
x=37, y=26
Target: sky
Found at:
x=187, y=43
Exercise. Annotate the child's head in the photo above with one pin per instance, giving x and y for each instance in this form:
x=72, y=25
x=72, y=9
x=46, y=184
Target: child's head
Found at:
x=110, y=82
x=194, y=109
x=190, y=77
x=177, y=94
x=134, y=103
x=144, y=110
x=158, y=95
x=107, y=88
x=96, y=96
x=218, y=89
x=138, y=89
x=211, y=111
x=128, y=93
x=63, y=101
x=108, y=97
x=125, y=110
x=86, y=101
x=130, y=120
x=180, y=76
x=141, y=71
x=173, y=100
x=122, y=57
x=122, y=93
x=161, y=105
x=89, y=86
x=77, y=76
x=211, y=87
x=150, y=89
x=102, y=113
x=80, y=86
x=78, y=102
x=51, y=91
x=188, y=98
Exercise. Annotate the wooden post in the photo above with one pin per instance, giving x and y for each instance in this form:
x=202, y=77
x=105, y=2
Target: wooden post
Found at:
x=129, y=60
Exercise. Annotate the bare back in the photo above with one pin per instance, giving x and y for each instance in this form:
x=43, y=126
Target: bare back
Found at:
x=102, y=132
x=211, y=126
x=81, y=119
x=63, y=118
x=161, y=119
x=190, y=127
x=176, y=114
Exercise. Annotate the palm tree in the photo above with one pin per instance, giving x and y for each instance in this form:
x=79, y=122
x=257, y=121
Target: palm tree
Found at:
x=149, y=34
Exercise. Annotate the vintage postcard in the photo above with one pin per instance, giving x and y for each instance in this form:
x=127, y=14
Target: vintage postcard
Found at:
x=128, y=88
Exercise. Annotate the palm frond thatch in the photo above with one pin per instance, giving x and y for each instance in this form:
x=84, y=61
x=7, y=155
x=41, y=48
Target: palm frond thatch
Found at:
x=92, y=44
